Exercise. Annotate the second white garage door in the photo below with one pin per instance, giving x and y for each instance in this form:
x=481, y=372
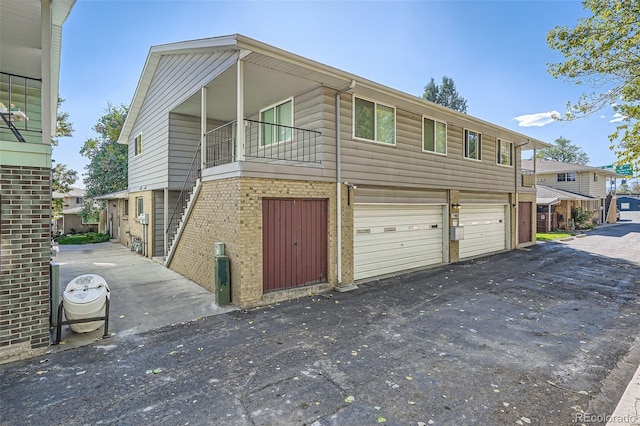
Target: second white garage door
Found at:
x=395, y=237
x=484, y=229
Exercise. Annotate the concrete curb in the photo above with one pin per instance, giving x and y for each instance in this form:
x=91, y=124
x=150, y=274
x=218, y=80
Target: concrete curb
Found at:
x=627, y=410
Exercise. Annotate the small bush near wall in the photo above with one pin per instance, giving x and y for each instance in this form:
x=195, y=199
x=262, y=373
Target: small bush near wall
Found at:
x=583, y=219
x=88, y=238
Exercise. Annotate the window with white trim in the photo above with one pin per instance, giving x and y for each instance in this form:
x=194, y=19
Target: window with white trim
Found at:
x=126, y=207
x=137, y=143
x=139, y=206
x=472, y=145
x=277, y=121
x=434, y=136
x=373, y=121
x=505, y=152
x=567, y=177
x=595, y=177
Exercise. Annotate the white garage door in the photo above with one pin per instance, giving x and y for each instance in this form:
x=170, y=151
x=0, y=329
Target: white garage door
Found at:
x=484, y=229
x=395, y=237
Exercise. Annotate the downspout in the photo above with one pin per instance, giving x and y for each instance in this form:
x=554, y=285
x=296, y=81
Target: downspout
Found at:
x=339, y=185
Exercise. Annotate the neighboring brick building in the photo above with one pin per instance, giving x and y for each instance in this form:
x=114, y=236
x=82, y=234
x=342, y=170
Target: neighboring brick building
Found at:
x=28, y=90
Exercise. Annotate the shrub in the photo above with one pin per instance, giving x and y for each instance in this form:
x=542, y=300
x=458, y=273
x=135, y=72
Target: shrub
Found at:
x=583, y=219
x=88, y=238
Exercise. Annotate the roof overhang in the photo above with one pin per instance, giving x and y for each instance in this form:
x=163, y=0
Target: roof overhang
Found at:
x=23, y=41
x=547, y=201
x=267, y=56
x=114, y=196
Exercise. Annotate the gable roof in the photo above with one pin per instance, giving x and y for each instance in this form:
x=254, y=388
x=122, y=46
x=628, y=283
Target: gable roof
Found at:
x=73, y=193
x=546, y=195
x=307, y=68
x=552, y=166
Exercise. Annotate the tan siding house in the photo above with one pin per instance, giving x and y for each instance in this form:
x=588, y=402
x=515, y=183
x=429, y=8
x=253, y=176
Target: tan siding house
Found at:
x=312, y=177
x=584, y=187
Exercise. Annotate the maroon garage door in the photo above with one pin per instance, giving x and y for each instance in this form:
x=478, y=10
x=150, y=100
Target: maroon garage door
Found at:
x=294, y=243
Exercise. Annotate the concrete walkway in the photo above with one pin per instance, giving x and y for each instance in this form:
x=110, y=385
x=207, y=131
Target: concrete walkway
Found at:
x=145, y=295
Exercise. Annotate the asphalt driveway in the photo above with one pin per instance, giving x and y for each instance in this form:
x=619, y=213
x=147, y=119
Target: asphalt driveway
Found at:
x=540, y=336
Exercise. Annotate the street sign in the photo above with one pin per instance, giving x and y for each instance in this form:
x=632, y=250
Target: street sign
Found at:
x=625, y=170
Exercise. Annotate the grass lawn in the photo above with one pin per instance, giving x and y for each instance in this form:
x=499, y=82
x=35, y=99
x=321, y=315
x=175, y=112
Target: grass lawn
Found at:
x=550, y=236
x=88, y=238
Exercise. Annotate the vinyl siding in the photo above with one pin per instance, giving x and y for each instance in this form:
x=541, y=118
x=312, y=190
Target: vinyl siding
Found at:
x=373, y=195
x=158, y=224
x=177, y=78
x=158, y=218
x=312, y=110
x=184, y=140
x=406, y=165
x=584, y=183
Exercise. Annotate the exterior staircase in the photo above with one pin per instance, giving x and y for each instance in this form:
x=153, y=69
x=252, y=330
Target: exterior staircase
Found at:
x=184, y=205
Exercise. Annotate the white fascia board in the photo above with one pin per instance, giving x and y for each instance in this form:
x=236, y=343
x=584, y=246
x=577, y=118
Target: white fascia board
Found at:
x=60, y=10
x=224, y=42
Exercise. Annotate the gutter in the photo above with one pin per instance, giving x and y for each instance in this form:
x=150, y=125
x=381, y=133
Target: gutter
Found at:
x=339, y=184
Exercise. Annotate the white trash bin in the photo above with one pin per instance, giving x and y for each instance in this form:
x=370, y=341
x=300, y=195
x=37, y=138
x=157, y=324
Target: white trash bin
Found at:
x=85, y=297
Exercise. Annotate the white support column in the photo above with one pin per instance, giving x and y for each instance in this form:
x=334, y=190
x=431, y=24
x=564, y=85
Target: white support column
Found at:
x=49, y=105
x=203, y=127
x=240, y=111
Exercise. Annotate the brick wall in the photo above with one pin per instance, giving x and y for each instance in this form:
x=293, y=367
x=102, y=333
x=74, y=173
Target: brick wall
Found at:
x=214, y=217
x=25, y=215
x=230, y=210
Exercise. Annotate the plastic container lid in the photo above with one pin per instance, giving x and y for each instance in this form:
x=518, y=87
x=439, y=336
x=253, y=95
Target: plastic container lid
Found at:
x=86, y=289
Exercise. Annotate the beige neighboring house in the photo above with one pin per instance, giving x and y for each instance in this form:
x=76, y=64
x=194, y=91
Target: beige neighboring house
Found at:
x=562, y=187
x=313, y=177
x=30, y=45
x=69, y=220
x=114, y=219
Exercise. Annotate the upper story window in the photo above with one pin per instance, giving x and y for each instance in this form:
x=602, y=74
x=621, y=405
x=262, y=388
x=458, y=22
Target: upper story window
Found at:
x=472, y=145
x=567, y=177
x=276, y=123
x=137, y=143
x=374, y=121
x=505, y=152
x=434, y=136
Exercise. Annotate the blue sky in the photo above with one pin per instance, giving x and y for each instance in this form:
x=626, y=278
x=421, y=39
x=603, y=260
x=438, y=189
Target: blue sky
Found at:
x=495, y=51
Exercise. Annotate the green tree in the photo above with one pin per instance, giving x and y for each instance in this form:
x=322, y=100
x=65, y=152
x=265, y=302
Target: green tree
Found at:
x=602, y=52
x=63, y=178
x=107, y=170
x=64, y=128
x=445, y=94
x=565, y=151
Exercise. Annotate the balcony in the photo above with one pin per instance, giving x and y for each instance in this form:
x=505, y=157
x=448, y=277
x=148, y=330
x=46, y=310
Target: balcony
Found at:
x=528, y=178
x=20, y=108
x=264, y=142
